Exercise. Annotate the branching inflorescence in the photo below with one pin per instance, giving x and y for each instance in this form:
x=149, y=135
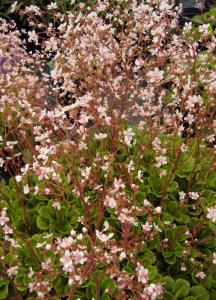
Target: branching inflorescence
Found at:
x=108, y=133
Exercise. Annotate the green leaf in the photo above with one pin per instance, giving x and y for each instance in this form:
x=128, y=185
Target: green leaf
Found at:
x=59, y=284
x=181, y=288
x=42, y=223
x=147, y=256
x=166, y=217
x=156, y=184
x=20, y=284
x=185, y=165
x=173, y=186
x=140, y=196
x=47, y=212
x=107, y=283
x=170, y=259
x=168, y=283
x=91, y=290
x=167, y=296
x=198, y=19
x=3, y=292
x=199, y=293
x=152, y=272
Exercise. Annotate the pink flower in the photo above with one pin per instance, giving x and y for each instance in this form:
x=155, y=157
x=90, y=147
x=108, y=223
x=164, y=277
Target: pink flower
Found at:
x=111, y=202
x=128, y=136
x=67, y=262
x=153, y=291
x=86, y=173
x=155, y=75
x=142, y=274
x=12, y=271
x=147, y=227
x=100, y=136
x=194, y=195
x=161, y=160
x=200, y=275
x=118, y=183
x=78, y=257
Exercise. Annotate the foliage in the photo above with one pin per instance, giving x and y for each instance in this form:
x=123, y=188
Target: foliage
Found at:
x=208, y=17
x=111, y=151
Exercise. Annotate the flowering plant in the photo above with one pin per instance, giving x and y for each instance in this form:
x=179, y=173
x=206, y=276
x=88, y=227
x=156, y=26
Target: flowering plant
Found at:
x=108, y=134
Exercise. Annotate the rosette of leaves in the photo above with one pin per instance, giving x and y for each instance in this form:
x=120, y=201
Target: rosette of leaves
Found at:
x=56, y=221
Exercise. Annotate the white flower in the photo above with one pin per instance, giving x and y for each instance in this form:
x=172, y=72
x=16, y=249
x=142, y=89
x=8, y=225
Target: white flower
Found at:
x=187, y=26
x=12, y=271
x=214, y=258
x=158, y=210
x=18, y=178
x=56, y=205
x=128, y=136
x=39, y=245
x=194, y=195
x=3, y=217
x=100, y=136
x=26, y=189
x=13, y=7
x=40, y=295
x=1, y=162
x=146, y=203
x=165, y=6
x=183, y=268
x=122, y=255
x=182, y=195
x=31, y=272
x=52, y=5
x=140, y=175
x=79, y=237
x=36, y=190
x=33, y=37
x=131, y=166
x=211, y=213
x=204, y=29
x=48, y=247
x=13, y=243
x=7, y=229
x=184, y=148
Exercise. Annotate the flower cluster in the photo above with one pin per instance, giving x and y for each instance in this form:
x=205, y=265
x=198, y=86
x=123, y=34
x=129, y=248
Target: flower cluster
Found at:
x=107, y=133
